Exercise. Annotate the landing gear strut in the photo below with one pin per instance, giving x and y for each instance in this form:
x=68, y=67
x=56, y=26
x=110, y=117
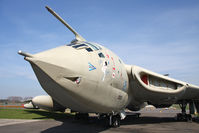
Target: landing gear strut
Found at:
x=184, y=116
x=114, y=120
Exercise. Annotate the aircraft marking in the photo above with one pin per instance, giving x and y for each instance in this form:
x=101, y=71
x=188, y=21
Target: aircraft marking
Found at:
x=104, y=70
x=107, y=56
x=113, y=75
x=91, y=67
x=119, y=97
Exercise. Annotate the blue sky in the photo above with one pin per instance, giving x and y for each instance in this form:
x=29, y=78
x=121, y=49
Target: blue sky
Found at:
x=162, y=36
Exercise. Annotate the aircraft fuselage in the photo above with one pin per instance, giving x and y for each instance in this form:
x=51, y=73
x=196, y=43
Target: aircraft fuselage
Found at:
x=83, y=76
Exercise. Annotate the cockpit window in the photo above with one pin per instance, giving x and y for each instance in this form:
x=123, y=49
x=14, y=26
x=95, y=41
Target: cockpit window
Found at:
x=88, y=46
x=101, y=55
x=80, y=45
x=89, y=49
x=71, y=44
x=93, y=46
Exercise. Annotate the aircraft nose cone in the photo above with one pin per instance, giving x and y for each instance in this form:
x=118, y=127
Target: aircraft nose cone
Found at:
x=56, y=63
x=58, y=70
x=47, y=67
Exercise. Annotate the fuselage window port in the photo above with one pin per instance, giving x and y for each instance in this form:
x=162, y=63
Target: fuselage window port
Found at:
x=89, y=49
x=101, y=55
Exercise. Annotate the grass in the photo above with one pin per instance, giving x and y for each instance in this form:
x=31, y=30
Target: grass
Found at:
x=32, y=114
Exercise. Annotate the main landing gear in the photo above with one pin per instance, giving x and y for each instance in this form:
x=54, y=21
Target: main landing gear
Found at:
x=183, y=116
x=114, y=120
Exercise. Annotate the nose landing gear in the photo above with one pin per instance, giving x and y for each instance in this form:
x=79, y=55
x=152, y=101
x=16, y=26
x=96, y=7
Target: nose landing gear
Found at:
x=114, y=120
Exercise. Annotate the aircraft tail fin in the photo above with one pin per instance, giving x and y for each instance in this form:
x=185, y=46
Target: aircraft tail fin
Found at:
x=77, y=36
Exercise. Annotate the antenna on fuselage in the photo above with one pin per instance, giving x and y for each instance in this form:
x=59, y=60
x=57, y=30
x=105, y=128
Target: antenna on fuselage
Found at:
x=78, y=37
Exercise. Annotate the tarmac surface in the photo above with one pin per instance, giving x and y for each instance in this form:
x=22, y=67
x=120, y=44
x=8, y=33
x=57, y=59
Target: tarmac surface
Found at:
x=150, y=121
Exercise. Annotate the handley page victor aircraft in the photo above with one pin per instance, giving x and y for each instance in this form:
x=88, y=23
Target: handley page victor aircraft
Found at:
x=88, y=78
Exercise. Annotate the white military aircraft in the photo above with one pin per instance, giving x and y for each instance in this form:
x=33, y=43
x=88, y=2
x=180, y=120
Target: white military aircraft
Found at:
x=88, y=78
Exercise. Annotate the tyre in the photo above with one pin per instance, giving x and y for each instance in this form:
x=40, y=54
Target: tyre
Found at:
x=115, y=121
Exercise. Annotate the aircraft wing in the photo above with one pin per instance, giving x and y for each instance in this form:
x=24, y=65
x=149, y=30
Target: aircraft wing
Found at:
x=157, y=89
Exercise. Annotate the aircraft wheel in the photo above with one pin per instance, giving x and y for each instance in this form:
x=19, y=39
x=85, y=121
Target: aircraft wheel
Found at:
x=115, y=121
x=185, y=117
x=189, y=118
x=179, y=117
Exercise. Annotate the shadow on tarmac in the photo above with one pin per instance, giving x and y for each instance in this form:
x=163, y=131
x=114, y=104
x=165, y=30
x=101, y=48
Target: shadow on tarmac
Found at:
x=70, y=123
x=81, y=126
x=130, y=120
x=93, y=124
